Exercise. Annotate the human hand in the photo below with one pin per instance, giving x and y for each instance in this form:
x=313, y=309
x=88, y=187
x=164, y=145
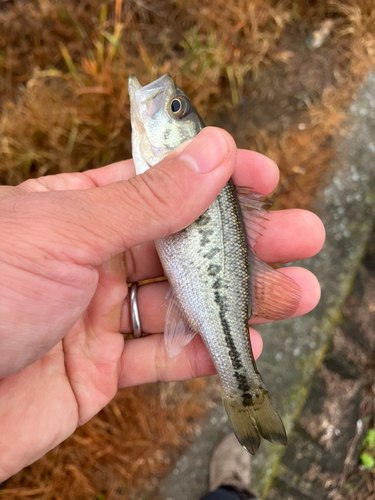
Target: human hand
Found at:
x=69, y=245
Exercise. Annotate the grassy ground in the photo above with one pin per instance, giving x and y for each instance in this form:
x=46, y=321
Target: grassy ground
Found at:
x=121, y=451
x=64, y=107
x=65, y=68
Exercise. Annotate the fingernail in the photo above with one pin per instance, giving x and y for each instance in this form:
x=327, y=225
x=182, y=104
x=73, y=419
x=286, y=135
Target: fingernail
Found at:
x=206, y=151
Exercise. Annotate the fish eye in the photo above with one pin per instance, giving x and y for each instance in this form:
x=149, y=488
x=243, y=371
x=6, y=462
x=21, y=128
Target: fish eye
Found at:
x=179, y=107
x=175, y=105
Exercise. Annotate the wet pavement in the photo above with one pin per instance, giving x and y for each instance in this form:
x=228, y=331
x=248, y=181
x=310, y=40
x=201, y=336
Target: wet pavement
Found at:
x=325, y=444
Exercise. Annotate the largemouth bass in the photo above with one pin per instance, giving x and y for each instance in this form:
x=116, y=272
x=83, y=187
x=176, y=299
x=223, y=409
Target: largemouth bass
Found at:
x=217, y=282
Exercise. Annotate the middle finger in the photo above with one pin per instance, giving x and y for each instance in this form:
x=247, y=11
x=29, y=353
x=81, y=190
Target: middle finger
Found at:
x=288, y=235
x=153, y=302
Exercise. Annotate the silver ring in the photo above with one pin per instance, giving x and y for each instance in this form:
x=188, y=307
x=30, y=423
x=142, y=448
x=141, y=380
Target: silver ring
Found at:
x=137, y=331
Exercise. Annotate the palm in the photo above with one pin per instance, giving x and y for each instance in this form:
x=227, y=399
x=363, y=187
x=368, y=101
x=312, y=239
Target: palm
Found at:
x=94, y=346
x=63, y=389
x=79, y=375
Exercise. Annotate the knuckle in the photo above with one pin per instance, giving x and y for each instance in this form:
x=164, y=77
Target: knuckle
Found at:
x=160, y=192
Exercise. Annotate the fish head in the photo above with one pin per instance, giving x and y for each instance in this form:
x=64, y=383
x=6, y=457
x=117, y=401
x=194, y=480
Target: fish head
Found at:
x=162, y=117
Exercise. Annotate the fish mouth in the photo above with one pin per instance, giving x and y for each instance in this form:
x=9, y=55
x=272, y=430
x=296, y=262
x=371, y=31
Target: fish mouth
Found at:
x=150, y=91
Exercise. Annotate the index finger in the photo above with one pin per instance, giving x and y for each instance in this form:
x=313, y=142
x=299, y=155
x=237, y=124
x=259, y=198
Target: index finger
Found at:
x=256, y=171
x=115, y=172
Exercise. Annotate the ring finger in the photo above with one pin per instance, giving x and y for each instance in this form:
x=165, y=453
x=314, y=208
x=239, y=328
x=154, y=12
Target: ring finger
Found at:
x=152, y=301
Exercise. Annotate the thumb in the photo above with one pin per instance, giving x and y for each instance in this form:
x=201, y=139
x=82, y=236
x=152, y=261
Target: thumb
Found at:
x=96, y=224
x=166, y=198
x=174, y=193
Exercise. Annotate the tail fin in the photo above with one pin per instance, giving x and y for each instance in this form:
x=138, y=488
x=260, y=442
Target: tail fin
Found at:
x=253, y=419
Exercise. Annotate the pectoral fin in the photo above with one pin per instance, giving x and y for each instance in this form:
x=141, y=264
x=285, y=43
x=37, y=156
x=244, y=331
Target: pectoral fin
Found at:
x=177, y=332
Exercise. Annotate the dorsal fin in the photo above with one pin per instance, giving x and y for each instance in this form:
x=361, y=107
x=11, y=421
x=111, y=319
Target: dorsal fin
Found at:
x=273, y=295
x=253, y=213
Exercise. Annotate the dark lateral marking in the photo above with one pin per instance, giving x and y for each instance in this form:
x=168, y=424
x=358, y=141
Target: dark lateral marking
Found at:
x=247, y=399
x=217, y=284
x=204, y=232
x=167, y=133
x=205, y=236
x=233, y=352
x=203, y=220
x=242, y=382
x=211, y=254
x=251, y=399
x=213, y=269
x=207, y=232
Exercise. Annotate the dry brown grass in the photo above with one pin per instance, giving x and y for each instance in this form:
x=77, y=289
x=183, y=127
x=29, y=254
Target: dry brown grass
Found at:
x=64, y=69
x=130, y=442
x=64, y=107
